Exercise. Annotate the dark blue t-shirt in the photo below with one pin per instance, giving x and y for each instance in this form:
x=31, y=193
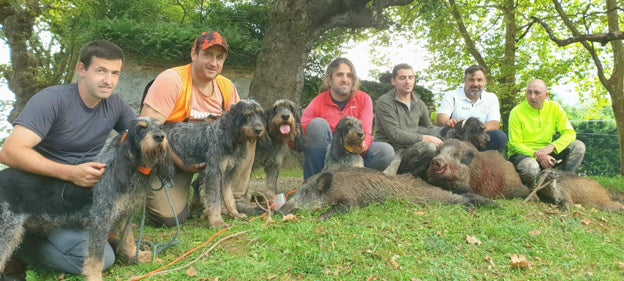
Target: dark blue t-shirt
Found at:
x=71, y=132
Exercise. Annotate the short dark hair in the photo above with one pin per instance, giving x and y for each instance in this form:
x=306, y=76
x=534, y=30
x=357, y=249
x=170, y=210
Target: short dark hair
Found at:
x=102, y=49
x=331, y=68
x=395, y=70
x=474, y=68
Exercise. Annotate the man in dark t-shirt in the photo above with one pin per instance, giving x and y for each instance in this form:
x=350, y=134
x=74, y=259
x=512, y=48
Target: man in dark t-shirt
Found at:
x=58, y=134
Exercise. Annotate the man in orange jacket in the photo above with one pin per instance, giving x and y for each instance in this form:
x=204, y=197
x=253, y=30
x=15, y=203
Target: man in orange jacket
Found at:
x=195, y=92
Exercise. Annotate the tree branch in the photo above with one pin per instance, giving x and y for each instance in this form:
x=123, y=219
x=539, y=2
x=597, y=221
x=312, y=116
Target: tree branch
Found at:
x=470, y=44
x=602, y=38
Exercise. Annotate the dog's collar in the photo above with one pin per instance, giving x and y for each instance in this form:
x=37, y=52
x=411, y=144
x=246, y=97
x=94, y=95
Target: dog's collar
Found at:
x=145, y=170
x=464, y=123
x=349, y=149
x=124, y=137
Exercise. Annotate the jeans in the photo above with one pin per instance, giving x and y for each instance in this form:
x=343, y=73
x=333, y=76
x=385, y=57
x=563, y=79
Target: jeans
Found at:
x=528, y=168
x=317, y=138
x=64, y=250
x=498, y=141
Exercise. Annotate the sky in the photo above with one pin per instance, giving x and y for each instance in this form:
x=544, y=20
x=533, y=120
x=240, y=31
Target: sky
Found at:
x=5, y=93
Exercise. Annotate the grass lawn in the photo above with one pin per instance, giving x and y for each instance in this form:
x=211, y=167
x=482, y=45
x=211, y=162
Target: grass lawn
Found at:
x=396, y=241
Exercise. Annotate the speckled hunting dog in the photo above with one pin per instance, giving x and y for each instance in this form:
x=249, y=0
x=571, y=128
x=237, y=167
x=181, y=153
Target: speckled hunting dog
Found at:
x=284, y=135
x=470, y=130
x=223, y=145
x=38, y=203
x=346, y=145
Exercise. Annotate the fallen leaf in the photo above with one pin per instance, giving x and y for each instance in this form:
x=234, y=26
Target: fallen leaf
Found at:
x=420, y=213
x=586, y=221
x=520, y=262
x=472, y=240
x=191, y=272
x=289, y=217
x=535, y=232
x=394, y=262
x=320, y=229
x=269, y=220
x=490, y=260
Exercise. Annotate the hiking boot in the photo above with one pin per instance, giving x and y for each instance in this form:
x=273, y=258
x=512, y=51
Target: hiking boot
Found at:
x=248, y=208
x=14, y=270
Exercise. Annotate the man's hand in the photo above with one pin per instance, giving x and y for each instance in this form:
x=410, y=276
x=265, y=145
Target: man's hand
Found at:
x=544, y=158
x=452, y=122
x=193, y=168
x=436, y=141
x=87, y=174
x=190, y=168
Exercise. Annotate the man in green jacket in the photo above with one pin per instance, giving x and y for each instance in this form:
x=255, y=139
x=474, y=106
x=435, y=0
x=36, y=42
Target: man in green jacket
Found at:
x=532, y=145
x=403, y=120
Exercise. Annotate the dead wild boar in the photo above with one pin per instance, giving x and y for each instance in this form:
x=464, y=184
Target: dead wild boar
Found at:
x=348, y=187
x=566, y=189
x=460, y=167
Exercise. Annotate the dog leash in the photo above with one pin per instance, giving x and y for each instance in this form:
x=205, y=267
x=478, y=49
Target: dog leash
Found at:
x=158, y=248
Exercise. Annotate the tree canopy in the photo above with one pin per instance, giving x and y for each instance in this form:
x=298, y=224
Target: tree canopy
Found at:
x=284, y=42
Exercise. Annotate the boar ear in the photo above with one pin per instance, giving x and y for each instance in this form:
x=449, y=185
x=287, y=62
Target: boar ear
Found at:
x=324, y=181
x=468, y=157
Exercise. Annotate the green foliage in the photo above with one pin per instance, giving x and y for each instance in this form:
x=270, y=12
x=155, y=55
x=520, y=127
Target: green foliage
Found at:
x=534, y=55
x=163, y=31
x=163, y=43
x=169, y=42
x=310, y=90
x=602, y=157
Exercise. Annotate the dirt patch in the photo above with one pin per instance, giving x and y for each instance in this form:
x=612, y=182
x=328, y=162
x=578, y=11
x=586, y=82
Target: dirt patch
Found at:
x=284, y=184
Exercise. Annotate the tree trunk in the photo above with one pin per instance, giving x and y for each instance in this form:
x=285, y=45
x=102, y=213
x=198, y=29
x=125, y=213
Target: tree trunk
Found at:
x=280, y=62
x=507, y=81
x=616, y=81
x=294, y=28
x=18, y=27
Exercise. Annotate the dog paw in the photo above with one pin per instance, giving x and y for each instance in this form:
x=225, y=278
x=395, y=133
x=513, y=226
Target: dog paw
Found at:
x=145, y=256
x=218, y=225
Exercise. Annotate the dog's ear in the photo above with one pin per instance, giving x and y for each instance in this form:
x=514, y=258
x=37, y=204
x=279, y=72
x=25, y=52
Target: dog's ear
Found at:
x=299, y=143
x=229, y=122
x=296, y=112
x=166, y=171
x=264, y=142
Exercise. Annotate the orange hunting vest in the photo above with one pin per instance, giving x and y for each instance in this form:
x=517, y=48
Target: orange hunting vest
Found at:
x=182, y=109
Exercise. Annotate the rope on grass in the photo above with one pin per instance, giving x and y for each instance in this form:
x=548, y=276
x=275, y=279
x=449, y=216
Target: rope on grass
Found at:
x=182, y=257
x=204, y=254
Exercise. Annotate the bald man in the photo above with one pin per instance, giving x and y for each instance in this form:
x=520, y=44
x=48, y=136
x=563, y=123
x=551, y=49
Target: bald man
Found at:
x=532, y=145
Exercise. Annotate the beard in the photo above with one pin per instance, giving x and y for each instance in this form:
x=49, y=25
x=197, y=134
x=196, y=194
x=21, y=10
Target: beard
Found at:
x=473, y=94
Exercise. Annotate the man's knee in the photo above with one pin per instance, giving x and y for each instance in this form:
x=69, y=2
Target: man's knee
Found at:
x=429, y=150
x=318, y=134
x=577, y=147
x=379, y=156
x=528, y=168
x=498, y=141
x=63, y=250
x=159, y=220
x=576, y=154
x=164, y=205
